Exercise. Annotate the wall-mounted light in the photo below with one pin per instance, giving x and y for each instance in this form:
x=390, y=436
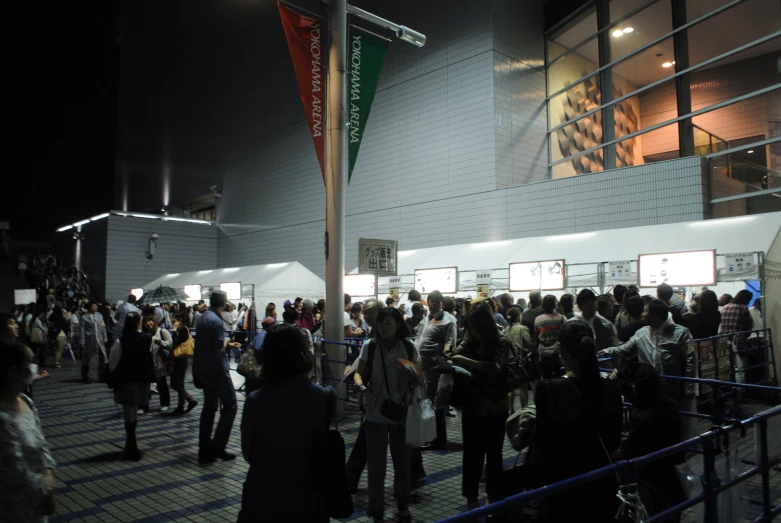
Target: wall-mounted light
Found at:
x=150, y=254
x=751, y=151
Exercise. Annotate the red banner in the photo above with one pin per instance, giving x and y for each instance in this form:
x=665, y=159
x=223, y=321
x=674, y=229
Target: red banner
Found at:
x=303, y=35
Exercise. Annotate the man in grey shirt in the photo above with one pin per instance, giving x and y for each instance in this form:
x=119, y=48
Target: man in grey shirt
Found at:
x=436, y=338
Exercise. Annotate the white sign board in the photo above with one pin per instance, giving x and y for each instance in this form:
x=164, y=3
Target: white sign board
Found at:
x=137, y=292
x=483, y=277
x=25, y=296
x=679, y=269
x=394, y=281
x=363, y=285
x=619, y=272
x=444, y=280
x=233, y=289
x=379, y=257
x=192, y=292
x=542, y=275
x=739, y=263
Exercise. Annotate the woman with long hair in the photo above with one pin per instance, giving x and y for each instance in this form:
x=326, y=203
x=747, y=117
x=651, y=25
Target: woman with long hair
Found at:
x=388, y=387
x=26, y=483
x=132, y=369
x=182, y=350
x=579, y=419
x=271, y=311
x=273, y=439
x=705, y=322
x=485, y=353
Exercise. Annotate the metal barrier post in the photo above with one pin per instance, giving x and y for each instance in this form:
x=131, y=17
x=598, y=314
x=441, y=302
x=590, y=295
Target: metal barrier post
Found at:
x=764, y=469
x=709, y=458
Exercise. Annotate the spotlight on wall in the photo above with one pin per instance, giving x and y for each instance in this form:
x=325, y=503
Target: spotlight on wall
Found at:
x=77, y=235
x=150, y=254
x=216, y=191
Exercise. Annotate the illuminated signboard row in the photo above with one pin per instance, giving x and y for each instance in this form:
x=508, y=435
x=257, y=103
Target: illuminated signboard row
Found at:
x=677, y=268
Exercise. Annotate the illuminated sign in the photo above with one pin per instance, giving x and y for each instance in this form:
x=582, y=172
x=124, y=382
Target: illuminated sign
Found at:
x=677, y=268
x=25, y=296
x=233, y=289
x=192, y=292
x=444, y=280
x=137, y=293
x=360, y=285
x=538, y=275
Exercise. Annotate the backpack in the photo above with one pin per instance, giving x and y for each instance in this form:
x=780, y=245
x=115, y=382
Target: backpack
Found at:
x=408, y=346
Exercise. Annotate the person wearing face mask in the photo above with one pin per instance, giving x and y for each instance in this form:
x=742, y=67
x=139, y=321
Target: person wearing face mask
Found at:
x=27, y=478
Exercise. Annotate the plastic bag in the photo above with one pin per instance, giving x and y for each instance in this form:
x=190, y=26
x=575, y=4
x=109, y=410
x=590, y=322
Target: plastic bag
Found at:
x=421, y=424
x=731, y=504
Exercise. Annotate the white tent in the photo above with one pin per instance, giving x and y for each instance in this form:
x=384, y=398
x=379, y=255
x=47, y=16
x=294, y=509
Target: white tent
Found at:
x=584, y=253
x=271, y=283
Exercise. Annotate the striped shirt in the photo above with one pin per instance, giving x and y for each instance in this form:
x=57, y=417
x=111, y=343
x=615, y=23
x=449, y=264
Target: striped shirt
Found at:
x=546, y=328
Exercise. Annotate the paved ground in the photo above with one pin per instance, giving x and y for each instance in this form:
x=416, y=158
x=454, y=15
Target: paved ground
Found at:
x=85, y=431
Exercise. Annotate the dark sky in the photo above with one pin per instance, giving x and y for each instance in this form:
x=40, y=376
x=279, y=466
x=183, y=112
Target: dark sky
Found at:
x=62, y=76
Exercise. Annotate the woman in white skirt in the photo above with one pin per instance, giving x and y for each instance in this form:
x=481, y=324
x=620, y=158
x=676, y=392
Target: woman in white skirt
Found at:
x=131, y=370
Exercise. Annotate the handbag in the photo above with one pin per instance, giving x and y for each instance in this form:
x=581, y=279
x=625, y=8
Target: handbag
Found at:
x=421, y=426
x=515, y=374
x=38, y=335
x=248, y=365
x=521, y=427
x=338, y=500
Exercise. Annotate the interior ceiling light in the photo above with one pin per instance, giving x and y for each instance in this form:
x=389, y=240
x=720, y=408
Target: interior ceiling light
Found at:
x=618, y=32
x=751, y=151
x=668, y=64
x=628, y=30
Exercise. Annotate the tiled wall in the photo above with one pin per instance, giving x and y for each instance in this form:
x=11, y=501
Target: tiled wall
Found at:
x=182, y=247
x=459, y=117
x=662, y=192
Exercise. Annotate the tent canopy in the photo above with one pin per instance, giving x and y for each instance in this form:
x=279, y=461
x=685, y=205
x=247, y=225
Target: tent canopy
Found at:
x=273, y=283
x=744, y=234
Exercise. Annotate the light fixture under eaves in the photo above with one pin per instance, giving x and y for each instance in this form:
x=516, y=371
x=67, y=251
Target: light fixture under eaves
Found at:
x=668, y=64
x=618, y=32
x=79, y=224
x=61, y=229
x=751, y=151
x=628, y=30
x=99, y=217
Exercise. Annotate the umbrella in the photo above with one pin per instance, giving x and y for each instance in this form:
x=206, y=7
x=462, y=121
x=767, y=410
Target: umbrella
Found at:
x=161, y=295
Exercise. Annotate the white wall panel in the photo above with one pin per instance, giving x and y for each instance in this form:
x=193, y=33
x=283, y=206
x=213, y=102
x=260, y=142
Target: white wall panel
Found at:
x=182, y=247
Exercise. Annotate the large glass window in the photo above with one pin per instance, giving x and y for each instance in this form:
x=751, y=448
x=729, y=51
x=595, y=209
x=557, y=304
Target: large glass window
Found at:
x=644, y=90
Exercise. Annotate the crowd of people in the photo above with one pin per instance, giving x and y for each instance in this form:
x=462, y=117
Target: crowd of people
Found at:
x=453, y=352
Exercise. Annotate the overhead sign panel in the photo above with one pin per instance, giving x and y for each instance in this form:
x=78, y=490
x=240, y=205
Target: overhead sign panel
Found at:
x=233, y=289
x=677, y=268
x=362, y=285
x=380, y=257
x=539, y=275
x=192, y=292
x=444, y=280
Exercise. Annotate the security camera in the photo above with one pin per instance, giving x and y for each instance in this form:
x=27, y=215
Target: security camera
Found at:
x=148, y=256
x=215, y=191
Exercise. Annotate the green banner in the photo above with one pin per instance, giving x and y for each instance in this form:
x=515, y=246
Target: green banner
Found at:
x=366, y=54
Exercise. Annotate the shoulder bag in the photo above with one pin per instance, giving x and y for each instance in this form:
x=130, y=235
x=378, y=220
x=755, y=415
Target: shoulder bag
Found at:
x=395, y=412
x=515, y=374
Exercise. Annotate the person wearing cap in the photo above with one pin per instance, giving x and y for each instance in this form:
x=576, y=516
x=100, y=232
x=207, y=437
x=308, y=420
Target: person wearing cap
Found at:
x=306, y=320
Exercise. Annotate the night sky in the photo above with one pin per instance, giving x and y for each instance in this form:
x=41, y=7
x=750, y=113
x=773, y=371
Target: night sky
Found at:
x=62, y=74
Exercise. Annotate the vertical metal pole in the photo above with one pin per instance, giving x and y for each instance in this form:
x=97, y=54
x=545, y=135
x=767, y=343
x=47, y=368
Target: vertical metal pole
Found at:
x=682, y=83
x=336, y=185
x=764, y=469
x=606, y=86
x=711, y=507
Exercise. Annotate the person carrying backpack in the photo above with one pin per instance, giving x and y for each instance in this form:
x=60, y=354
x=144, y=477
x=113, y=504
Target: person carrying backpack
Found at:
x=388, y=385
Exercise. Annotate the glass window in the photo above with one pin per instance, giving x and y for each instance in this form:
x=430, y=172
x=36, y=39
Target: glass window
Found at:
x=732, y=28
x=649, y=24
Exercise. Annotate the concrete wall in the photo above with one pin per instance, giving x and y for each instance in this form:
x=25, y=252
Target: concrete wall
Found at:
x=182, y=247
x=662, y=192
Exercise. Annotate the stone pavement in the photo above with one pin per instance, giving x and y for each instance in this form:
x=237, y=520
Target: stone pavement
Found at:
x=85, y=432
